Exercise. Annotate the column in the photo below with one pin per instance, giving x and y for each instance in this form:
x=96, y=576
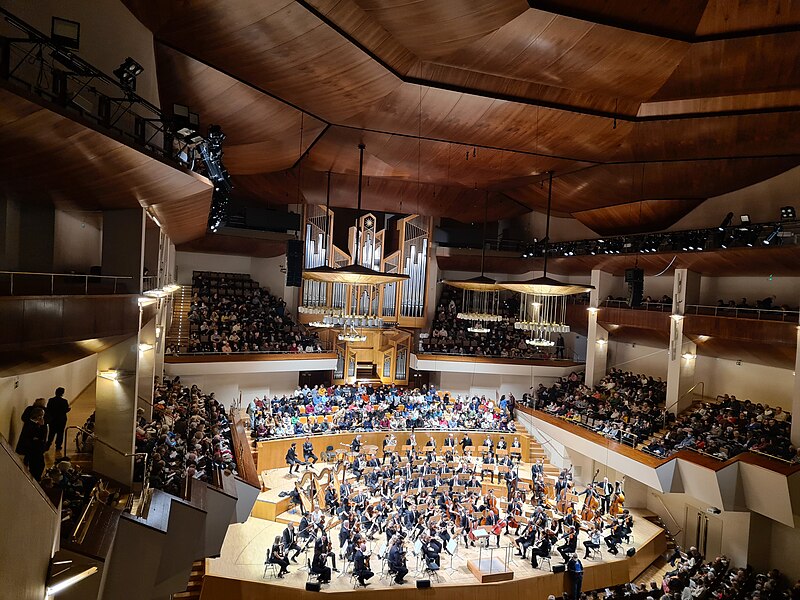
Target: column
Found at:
x=681, y=357
x=796, y=395
x=597, y=336
x=123, y=246
x=115, y=410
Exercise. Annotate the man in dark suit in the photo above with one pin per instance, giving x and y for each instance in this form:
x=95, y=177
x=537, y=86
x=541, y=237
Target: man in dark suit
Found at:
x=290, y=541
x=292, y=460
x=397, y=561
x=56, y=417
x=360, y=567
x=575, y=569
x=308, y=452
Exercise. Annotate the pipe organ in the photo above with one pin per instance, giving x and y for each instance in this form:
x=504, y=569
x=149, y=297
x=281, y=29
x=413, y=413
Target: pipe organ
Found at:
x=401, y=302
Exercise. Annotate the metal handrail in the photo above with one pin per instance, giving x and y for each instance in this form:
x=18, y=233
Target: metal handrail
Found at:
x=489, y=356
x=97, y=439
x=674, y=520
x=737, y=312
x=654, y=306
x=53, y=276
x=686, y=393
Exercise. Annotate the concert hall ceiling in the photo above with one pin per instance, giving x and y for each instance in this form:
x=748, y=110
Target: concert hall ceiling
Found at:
x=658, y=104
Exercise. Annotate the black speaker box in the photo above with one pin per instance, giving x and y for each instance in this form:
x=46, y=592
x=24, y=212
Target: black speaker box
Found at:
x=559, y=568
x=294, y=263
x=423, y=583
x=313, y=586
x=634, y=275
x=630, y=552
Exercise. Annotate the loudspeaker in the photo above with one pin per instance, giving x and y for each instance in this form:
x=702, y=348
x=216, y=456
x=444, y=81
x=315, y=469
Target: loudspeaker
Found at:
x=635, y=292
x=313, y=586
x=294, y=263
x=423, y=583
x=630, y=552
x=634, y=275
x=559, y=568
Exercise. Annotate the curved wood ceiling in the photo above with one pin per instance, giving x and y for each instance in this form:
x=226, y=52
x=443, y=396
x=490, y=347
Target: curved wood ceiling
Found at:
x=666, y=104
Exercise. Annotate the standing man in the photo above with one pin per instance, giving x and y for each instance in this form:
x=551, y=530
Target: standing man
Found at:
x=56, y=417
x=575, y=568
x=560, y=345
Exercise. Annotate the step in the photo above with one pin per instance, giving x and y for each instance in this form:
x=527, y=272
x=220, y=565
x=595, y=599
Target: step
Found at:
x=193, y=595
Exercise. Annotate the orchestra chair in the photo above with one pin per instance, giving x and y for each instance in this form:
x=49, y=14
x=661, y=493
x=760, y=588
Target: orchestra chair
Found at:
x=271, y=567
x=431, y=573
x=541, y=563
x=596, y=553
x=310, y=576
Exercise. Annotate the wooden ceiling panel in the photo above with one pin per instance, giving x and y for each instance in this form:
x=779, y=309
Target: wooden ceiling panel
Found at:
x=437, y=28
x=52, y=158
x=606, y=185
x=766, y=63
x=636, y=217
x=262, y=133
x=726, y=16
x=568, y=53
x=219, y=243
x=766, y=353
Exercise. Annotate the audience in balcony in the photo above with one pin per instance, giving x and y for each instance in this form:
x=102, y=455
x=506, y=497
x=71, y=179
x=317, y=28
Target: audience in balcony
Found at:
x=227, y=317
x=188, y=437
x=728, y=428
x=451, y=335
x=362, y=408
x=624, y=406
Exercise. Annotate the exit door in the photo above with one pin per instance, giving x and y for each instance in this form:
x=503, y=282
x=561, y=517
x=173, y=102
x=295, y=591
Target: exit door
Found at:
x=703, y=531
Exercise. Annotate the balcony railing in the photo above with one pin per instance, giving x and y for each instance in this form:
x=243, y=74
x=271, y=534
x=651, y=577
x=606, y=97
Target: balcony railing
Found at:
x=759, y=314
x=31, y=283
x=649, y=306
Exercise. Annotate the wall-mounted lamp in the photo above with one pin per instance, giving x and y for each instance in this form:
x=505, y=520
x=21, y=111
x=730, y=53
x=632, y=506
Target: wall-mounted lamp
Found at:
x=157, y=293
x=68, y=577
x=689, y=356
x=144, y=301
x=602, y=342
x=676, y=318
x=702, y=338
x=111, y=375
x=171, y=287
x=592, y=310
x=145, y=347
x=158, y=332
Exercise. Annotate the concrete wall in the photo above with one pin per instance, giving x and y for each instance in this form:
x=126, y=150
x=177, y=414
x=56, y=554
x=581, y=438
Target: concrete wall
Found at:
x=226, y=387
x=26, y=547
x=638, y=358
x=759, y=383
x=17, y=392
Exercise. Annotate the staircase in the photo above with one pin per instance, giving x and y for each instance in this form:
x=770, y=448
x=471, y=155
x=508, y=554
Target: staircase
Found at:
x=178, y=335
x=536, y=452
x=195, y=585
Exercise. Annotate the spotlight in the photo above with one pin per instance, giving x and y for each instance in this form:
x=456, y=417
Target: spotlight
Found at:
x=127, y=73
x=65, y=33
x=788, y=213
x=773, y=234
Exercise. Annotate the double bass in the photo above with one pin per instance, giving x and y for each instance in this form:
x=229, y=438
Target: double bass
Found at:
x=592, y=502
x=617, y=500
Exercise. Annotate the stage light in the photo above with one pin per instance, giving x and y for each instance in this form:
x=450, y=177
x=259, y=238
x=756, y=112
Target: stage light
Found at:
x=65, y=33
x=788, y=213
x=127, y=73
x=773, y=234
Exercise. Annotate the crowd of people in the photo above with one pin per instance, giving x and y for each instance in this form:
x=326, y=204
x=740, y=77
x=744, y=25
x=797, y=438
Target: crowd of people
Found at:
x=227, y=316
x=187, y=438
x=727, y=428
x=451, y=335
x=623, y=406
x=367, y=408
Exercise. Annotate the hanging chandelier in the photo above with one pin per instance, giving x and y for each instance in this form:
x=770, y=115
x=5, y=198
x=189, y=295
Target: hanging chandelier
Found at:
x=543, y=306
x=354, y=273
x=351, y=334
x=480, y=296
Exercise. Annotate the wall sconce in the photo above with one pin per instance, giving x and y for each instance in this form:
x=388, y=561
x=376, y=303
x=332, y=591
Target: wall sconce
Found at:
x=592, y=310
x=602, y=342
x=676, y=318
x=113, y=374
x=158, y=332
x=68, y=577
x=689, y=356
x=144, y=301
x=145, y=347
x=158, y=293
x=171, y=287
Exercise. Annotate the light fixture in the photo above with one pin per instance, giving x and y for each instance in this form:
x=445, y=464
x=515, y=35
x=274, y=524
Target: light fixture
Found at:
x=480, y=296
x=158, y=332
x=127, y=73
x=171, y=287
x=689, y=356
x=145, y=347
x=773, y=234
x=68, y=577
x=355, y=273
x=602, y=341
x=592, y=310
x=677, y=318
x=788, y=213
x=111, y=374
x=145, y=301
x=157, y=293
x=543, y=308
x=745, y=219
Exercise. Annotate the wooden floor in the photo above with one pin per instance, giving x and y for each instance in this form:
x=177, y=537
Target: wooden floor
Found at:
x=245, y=547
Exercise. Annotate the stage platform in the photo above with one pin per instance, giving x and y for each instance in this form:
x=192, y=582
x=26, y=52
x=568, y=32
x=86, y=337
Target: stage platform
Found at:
x=238, y=573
